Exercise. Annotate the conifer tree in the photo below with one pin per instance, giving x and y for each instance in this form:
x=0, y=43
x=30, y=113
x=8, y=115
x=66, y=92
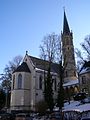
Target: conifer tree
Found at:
x=60, y=98
x=48, y=91
x=2, y=99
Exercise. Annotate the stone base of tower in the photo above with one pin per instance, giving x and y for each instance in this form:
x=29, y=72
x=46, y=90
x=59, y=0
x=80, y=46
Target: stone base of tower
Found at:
x=68, y=79
x=71, y=88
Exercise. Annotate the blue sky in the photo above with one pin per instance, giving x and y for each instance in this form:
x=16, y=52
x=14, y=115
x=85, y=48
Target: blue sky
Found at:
x=24, y=23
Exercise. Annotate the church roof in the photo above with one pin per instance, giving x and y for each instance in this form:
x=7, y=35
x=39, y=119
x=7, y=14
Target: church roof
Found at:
x=43, y=64
x=66, y=29
x=22, y=68
x=85, y=68
x=86, y=64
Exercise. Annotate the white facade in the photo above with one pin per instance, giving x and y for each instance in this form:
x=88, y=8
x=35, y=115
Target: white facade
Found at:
x=30, y=93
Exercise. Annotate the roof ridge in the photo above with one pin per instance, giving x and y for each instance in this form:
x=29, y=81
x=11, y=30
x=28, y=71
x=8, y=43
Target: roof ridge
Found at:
x=42, y=59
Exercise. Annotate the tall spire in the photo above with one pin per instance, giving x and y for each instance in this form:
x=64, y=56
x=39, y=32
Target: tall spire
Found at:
x=66, y=29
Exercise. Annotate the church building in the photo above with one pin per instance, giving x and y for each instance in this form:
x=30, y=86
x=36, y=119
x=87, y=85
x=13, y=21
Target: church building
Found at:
x=28, y=79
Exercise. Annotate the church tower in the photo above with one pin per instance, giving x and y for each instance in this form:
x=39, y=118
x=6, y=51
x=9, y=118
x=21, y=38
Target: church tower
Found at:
x=68, y=52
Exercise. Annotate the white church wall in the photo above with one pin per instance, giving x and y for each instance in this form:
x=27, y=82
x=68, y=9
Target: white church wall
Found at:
x=39, y=96
x=27, y=87
x=32, y=69
x=38, y=91
x=21, y=97
x=17, y=99
x=27, y=81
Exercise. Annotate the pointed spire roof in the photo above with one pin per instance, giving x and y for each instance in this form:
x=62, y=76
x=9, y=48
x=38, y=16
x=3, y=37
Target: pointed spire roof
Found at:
x=66, y=29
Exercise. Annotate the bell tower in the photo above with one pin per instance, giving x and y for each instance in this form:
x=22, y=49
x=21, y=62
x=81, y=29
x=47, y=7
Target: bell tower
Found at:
x=68, y=52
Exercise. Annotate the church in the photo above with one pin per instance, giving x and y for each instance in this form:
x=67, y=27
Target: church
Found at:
x=28, y=79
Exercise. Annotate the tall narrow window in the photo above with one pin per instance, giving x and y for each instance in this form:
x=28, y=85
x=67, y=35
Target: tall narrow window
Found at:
x=40, y=82
x=67, y=41
x=74, y=73
x=19, y=81
x=13, y=81
x=83, y=80
x=66, y=74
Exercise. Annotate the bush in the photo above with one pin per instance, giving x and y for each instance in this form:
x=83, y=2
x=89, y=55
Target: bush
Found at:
x=80, y=96
x=41, y=107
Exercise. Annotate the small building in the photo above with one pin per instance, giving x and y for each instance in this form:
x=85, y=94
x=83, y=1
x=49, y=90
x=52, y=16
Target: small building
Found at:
x=28, y=82
x=84, y=78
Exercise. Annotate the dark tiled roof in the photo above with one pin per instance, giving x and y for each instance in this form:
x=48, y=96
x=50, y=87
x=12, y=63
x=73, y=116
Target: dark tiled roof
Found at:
x=86, y=64
x=43, y=65
x=22, y=68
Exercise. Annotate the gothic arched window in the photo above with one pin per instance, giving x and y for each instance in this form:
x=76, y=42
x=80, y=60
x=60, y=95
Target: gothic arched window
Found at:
x=83, y=80
x=40, y=82
x=19, y=81
x=13, y=81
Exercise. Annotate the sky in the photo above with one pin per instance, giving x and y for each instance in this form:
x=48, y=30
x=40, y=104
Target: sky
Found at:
x=24, y=23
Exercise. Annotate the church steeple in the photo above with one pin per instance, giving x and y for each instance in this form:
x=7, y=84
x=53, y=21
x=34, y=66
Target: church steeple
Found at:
x=68, y=52
x=66, y=29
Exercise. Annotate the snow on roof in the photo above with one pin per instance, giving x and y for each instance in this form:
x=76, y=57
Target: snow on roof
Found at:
x=85, y=70
x=76, y=106
x=37, y=69
x=71, y=82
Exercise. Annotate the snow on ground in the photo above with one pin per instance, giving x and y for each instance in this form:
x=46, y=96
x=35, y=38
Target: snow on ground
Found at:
x=76, y=106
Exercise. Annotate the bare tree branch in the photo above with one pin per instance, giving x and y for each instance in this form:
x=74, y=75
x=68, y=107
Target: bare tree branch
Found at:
x=50, y=47
x=6, y=77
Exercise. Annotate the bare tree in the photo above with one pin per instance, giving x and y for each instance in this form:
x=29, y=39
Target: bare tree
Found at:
x=86, y=47
x=80, y=59
x=15, y=62
x=50, y=48
x=83, y=55
x=6, y=76
x=50, y=51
